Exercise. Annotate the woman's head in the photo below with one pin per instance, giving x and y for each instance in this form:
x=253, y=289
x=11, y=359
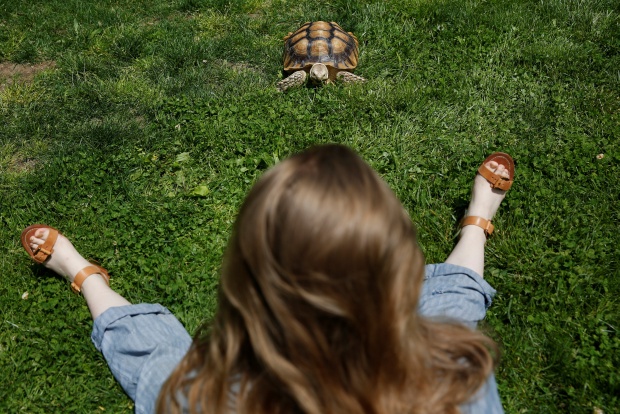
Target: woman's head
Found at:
x=322, y=235
x=322, y=264
x=318, y=294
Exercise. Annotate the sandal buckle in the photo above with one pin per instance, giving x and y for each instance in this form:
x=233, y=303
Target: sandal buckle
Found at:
x=44, y=251
x=495, y=181
x=488, y=229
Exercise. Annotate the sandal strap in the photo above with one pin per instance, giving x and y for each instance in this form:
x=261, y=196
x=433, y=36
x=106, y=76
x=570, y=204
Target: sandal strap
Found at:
x=497, y=181
x=483, y=223
x=81, y=276
x=47, y=248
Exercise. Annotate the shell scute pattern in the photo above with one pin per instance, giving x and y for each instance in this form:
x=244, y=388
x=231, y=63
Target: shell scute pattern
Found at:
x=319, y=50
x=320, y=42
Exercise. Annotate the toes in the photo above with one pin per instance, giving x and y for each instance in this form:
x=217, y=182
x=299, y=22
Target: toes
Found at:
x=38, y=238
x=502, y=171
x=41, y=234
x=492, y=165
x=35, y=243
x=498, y=169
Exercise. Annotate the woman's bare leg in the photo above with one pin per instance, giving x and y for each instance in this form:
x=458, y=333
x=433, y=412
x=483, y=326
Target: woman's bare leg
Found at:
x=67, y=262
x=469, y=251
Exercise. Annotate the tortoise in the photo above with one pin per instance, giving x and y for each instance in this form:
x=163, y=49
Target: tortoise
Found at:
x=321, y=50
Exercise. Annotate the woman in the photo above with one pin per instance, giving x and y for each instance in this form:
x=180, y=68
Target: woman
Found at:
x=325, y=304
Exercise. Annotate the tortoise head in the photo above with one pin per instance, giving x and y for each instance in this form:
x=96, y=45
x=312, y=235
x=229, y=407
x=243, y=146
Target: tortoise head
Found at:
x=319, y=73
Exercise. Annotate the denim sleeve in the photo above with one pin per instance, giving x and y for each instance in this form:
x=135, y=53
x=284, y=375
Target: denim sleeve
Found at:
x=142, y=345
x=486, y=400
x=455, y=292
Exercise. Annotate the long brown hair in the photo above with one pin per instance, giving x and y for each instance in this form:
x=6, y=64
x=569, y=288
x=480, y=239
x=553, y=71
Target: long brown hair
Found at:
x=317, y=306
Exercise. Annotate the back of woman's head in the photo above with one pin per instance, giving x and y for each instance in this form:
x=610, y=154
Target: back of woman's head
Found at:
x=318, y=299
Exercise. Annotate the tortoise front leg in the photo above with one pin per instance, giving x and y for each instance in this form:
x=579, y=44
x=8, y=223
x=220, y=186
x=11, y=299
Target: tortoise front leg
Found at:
x=295, y=79
x=348, y=77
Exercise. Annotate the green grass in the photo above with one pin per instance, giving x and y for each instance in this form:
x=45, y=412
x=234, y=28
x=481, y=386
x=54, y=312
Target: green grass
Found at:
x=142, y=141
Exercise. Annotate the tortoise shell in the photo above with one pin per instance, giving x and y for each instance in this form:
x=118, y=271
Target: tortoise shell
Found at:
x=320, y=42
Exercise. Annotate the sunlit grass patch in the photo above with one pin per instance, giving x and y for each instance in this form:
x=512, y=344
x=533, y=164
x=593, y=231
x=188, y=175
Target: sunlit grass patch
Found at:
x=16, y=162
x=213, y=25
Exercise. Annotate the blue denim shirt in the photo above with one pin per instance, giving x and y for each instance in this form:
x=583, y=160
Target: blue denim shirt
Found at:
x=143, y=343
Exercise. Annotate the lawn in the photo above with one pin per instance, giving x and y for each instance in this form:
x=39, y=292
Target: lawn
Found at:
x=137, y=127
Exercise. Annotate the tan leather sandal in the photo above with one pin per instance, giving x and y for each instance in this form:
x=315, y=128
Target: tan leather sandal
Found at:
x=483, y=223
x=43, y=252
x=496, y=181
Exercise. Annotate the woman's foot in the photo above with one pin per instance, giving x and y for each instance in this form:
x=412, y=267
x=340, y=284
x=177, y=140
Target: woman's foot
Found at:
x=486, y=200
x=67, y=262
x=65, y=259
